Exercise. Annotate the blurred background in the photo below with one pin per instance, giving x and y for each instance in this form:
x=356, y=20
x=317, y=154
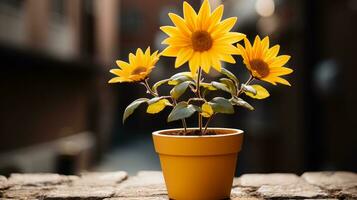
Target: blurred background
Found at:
x=58, y=114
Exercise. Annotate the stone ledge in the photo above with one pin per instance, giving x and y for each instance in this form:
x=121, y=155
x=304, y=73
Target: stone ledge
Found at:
x=340, y=184
x=3, y=182
x=149, y=185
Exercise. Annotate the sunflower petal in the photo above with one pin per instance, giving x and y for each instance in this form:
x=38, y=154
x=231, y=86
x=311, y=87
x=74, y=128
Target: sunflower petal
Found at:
x=170, y=30
x=154, y=57
x=146, y=57
x=280, y=71
x=121, y=64
x=215, y=17
x=170, y=51
x=272, y=53
x=140, y=57
x=216, y=64
x=248, y=48
x=223, y=27
x=194, y=62
x=205, y=62
x=178, y=42
x=256, y=41
x=183, y=56
x=280, y=61
x=242, y=52
x=180, y=23
x=147, y=52
x=190, y=16
x=281, y=80
x=269, y=80
x=226, y=49
x=117, y=72
x=256, y=47
x=203, y=15
x=132, y=59
x=230, y=37
x=265, y=43
x=227, y=58
x=118, y=80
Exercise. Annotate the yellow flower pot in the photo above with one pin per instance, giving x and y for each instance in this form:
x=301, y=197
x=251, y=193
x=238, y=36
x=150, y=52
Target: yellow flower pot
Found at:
x=198, y=167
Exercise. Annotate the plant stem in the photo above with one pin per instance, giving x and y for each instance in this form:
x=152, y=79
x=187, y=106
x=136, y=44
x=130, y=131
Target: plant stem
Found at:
x=200, y=122
x=251, y=78
x=198, y=94
x=149, y=90
x=198, y=89
x=196, y=99
x=206, y=126
x=184, y=126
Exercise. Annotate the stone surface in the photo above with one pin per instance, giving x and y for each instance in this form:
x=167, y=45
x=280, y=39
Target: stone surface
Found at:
x=3, y=182
x=243, y=192
x=39, y=179
x=340, y=184
x=276, y=185
x=299, y=189
x=20, y=192
x=138, y=198
x=149, y=185
x=80, y=192
x=145, y=184
x=257, y=180
x=331, y=180
x=236, y=182
x=101, y=178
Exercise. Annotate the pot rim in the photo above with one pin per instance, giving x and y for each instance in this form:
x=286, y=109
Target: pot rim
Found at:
x=237, y=132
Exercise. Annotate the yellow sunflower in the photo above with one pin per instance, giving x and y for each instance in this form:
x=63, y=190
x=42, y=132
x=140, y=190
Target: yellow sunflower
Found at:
x=201, y=39
x=138, y=68
x=263, y=62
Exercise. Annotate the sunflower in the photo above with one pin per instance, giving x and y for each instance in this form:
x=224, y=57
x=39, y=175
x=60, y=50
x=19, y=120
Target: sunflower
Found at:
x=138, y=68
x=263, y=62
x=201, y=39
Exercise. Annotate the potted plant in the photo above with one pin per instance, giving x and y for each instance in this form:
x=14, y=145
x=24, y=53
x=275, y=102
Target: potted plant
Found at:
x=199, y=163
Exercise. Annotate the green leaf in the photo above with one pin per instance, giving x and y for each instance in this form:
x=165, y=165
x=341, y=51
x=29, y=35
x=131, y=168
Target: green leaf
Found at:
x=181, y=110
x=131, y=107
x=221, y=105
x=159, y=83
x=154, y=100
x=229, y=83
x=178, y=80
x=220, y=86
x=187, y=74
x=249, y=89
x=230, y=75
x=158, y=106
x=207, y=110
x=262, y=93
x=179, y=89
x=208, y=86
x=180, y=77
x=241, y=102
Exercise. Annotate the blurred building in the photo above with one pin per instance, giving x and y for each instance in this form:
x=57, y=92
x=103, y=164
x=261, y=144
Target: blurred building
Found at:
x=56, y=105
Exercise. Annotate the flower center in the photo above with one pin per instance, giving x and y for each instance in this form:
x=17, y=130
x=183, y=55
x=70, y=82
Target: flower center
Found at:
x=260, y=67
x=201, y=41
x=138, y=70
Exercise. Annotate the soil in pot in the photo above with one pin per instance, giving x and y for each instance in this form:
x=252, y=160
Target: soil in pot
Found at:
x=193, y=132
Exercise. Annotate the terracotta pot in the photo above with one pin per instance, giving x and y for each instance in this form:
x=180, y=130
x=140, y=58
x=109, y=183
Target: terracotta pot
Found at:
x=198, y=167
